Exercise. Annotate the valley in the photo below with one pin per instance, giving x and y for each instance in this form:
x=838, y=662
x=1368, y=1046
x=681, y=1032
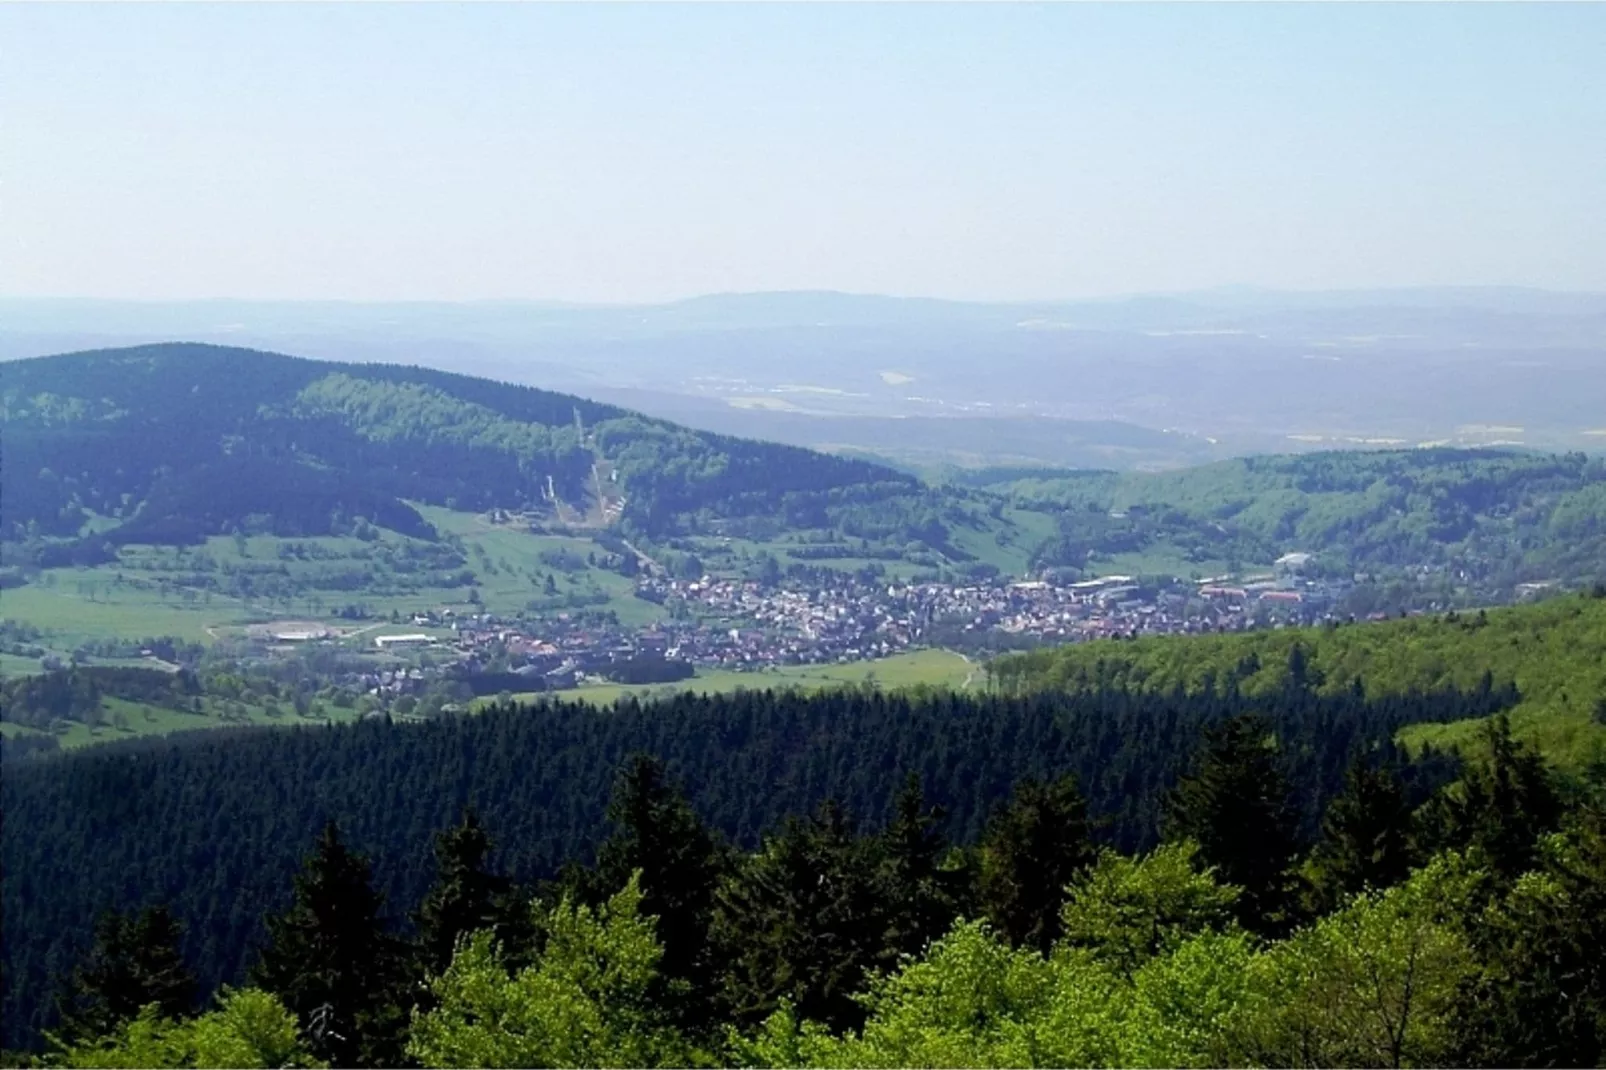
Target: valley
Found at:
x=411, y=542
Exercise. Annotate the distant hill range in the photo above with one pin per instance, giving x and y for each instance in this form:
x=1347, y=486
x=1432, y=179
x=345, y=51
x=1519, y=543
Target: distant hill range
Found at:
x=178, y=442
x=1145, y=382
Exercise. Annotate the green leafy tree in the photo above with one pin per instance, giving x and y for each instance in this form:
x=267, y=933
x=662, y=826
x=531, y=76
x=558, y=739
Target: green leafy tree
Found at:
x=250, y=1028
x=971, y=1001
x=1035, y=843
x=1180, y=1006
x=135, y=963
x=331, y=961
x=585, y=1001
x=1235, y=806
x=1126, y=911
x=1540, y=997
x=1374, y=984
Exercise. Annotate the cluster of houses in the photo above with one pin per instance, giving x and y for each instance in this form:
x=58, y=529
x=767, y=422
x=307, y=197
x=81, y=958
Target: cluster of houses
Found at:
x=849, y=617
x=746, y=624
x=717, y=623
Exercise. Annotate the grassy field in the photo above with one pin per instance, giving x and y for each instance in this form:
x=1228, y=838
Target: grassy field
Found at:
x=933, y=668
x=149, y=590
x=507, y=561
x=16, y=665
x=1163, y=559
x=734, y=558
x=131, y=720
x=70, y=616
x=1027, y=531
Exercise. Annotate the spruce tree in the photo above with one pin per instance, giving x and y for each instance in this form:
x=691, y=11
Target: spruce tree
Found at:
x=801, y=921
x=1235, y=806
x=331, y=962
x=1366, y=837
x=1035, y=844
x=1301, y=680
x=656, y=833
x=923, y=897
x=135, y=962
x=468, y=897
x=1500, y=808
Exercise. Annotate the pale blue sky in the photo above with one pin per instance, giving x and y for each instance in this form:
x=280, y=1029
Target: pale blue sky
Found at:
x=624, y=153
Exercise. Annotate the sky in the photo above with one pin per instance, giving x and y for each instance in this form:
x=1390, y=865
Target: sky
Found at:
x=622, y=153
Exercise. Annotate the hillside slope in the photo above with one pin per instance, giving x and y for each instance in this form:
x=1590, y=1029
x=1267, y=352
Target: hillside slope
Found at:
x=1499, y=516
x=171, y=443
x=1554, y=653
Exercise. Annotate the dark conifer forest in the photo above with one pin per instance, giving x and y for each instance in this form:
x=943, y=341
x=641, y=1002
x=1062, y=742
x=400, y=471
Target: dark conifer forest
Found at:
x=975, y=922
x=212, y=826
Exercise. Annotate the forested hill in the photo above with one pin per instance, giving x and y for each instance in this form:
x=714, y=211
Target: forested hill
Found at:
x=1553, y=654
x=174, y=442
x=1503, y=515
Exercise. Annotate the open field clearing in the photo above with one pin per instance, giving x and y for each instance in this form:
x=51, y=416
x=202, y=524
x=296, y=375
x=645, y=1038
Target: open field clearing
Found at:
x=69, y=617
x=131, y=720
x=931, y=668
x=219, y=588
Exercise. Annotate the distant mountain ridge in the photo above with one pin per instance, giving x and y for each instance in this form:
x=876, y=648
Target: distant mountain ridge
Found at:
x=1228, y=372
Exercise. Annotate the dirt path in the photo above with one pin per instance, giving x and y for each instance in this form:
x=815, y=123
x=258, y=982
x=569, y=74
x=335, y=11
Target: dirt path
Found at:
x=970, y=677
x=640, y=556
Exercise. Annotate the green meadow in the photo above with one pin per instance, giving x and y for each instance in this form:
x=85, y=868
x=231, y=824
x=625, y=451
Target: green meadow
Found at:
x=122, y=719
x=930, y=668
x=212, y=591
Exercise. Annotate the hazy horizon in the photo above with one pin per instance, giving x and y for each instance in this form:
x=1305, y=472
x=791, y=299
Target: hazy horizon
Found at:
x=1220, y=290
x=620, y=155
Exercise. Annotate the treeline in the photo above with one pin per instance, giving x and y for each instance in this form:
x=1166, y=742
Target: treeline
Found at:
x=263, y=494
x=212, y=823
x=76, y=694
x=206, y=681
x=1553, y=653
x=680, y=482
x=649, y=669
x=1463, y=931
